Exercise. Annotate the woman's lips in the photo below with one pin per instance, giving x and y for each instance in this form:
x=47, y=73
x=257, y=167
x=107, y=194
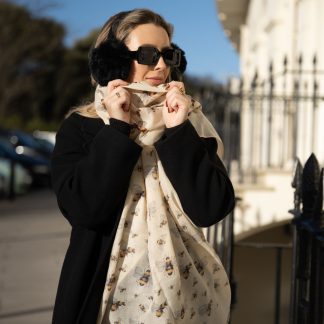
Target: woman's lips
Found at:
x=154, y=81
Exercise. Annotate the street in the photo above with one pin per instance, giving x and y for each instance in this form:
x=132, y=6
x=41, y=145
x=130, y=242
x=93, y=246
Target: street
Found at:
x=33, y=240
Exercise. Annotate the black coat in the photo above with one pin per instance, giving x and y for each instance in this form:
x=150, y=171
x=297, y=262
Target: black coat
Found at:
x=91, y=168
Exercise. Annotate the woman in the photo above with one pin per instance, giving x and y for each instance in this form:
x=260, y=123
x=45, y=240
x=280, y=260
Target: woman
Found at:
x=136, y=174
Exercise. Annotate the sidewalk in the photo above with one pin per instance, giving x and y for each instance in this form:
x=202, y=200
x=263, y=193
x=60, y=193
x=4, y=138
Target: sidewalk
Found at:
x=33, y=240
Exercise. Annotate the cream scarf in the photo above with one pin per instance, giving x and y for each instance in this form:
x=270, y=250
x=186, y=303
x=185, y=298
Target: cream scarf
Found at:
x=161, y=269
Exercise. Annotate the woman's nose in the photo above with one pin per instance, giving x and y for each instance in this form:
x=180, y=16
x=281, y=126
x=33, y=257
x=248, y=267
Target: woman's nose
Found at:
x=160, y=65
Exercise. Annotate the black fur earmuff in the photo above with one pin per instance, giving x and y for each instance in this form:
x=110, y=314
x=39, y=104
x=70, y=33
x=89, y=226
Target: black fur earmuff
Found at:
x=177, y=72
x=111, y=60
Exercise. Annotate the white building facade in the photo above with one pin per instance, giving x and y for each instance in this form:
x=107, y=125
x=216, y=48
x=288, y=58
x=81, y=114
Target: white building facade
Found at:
x=281, y=49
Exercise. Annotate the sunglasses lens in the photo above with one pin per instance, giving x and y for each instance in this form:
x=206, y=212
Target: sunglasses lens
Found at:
x=148, y=55
x=168, y=56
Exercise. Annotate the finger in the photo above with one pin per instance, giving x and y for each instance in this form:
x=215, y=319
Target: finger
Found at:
x=117, y=100
x=120, y=92
x=115, y=83
x=127, y=104
x=178, y=100
x=182, y=100
x=177, y=84
x=173, y=95
x=170, y=110
x=125, y=107
x=176, y=91
x=124, y=102
x=173, y=104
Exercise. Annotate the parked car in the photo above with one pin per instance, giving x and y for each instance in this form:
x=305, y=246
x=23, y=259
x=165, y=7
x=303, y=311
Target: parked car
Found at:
x=47, y=135
x=22, y=179
x=20, y=138
x=25, y=153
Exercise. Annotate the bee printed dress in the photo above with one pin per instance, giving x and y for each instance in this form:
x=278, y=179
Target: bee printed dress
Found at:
x=161, y=268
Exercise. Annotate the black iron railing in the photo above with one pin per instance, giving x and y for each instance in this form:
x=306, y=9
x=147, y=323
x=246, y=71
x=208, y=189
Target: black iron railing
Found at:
x=307, y=277
x=307, y=285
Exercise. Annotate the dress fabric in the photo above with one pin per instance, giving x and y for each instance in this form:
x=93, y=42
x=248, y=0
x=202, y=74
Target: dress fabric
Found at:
x=161, y=268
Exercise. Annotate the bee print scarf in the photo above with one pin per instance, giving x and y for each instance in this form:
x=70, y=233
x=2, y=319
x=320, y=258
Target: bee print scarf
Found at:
x=161, y=269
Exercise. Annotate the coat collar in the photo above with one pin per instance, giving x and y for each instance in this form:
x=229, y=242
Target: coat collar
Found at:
x=92, y=125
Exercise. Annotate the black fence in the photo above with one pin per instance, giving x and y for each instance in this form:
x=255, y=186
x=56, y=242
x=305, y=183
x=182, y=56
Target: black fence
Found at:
x=287, y=96
x=275, y=104
x=307, y=277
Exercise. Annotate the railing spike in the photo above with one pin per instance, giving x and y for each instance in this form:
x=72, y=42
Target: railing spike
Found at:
x=310, y=188
x=254, y=80
x=297, y=173
x=297, y=183
x=285, y=62
x=314, y=60
x=318, y=210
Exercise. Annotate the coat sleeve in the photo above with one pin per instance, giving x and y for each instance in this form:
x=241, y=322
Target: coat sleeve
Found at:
x=197, y=174
x=91, y=185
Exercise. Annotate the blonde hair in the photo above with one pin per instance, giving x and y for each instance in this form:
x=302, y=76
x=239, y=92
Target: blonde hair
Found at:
x=126, y=22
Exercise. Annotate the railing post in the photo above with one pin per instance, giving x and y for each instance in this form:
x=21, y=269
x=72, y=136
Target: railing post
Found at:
x=278, y=284
x=307, y=276
x=286, y=114
x=315, y=103
x=310, y=194
x=253, y=99
x=316, y=294
x=229, y=265
x=230, y=255
x=271, y=80
x=297, y=184
x=241, y=98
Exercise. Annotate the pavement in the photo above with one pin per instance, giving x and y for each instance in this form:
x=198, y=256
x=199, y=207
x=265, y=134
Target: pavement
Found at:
x=34, y=237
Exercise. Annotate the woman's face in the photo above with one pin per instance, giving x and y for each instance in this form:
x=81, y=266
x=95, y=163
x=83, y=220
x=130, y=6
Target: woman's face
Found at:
x=149, y=34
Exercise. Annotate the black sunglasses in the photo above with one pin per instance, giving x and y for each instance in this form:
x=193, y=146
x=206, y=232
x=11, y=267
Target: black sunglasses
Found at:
x=150, y=55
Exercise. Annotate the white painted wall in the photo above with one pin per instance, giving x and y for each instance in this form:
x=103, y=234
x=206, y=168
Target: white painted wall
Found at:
x=264, y=203
x=273, y=29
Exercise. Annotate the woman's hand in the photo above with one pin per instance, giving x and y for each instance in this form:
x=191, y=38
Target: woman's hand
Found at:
x=177, y=105
x=117, y=101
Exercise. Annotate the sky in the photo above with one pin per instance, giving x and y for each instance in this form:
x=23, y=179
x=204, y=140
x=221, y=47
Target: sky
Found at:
x=197, y=29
